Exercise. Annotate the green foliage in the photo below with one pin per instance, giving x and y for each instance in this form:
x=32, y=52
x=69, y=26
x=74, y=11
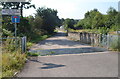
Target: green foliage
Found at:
x=23, y=28
x=12, y=62
x=52, y=52
x=112, y=12
x=49, y=19
x=117, y=21
x=36, y=40
x=96, y=20
x=33, y=54
x=7, y=33
x=69, y=23
x=38, y=22
x=29, y=44
x=103, y=30
x=35, y=28
x=114, y=28
x=115, y=44
x=9, y=45
x=7, y=26
x=39, y=38
x=30, y=27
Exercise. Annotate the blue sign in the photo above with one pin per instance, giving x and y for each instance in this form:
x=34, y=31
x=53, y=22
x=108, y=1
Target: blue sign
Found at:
x=15, y=19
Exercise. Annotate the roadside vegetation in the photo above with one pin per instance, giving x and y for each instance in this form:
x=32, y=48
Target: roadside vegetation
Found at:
x=42, y=25
x=12, y=62
x=96, y=22
x=36, y=28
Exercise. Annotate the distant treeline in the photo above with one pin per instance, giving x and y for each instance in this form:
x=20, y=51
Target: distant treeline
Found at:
x=95, y=20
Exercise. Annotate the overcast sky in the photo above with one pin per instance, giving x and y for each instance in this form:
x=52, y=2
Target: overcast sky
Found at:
x=73, y=8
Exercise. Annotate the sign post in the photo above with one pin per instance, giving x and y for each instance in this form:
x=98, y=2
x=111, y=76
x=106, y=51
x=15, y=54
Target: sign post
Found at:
x=15, y=20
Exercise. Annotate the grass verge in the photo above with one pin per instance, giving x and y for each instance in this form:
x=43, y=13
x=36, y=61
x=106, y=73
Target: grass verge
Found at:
x=36, y=40
x=11, y=63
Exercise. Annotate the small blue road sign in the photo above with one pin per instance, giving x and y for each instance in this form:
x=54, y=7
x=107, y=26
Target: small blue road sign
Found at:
x=15, y=19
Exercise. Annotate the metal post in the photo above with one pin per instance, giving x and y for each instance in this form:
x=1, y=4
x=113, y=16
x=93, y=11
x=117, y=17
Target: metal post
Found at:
x=15, y=34
x=22, y=44
x=15, y=30
x=25, y=43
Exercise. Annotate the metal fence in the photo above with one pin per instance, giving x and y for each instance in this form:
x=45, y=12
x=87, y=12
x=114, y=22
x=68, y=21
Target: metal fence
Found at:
x=12, y=44
x=110, y=41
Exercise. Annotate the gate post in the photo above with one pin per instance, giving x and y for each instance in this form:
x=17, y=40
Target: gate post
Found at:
x=24, y=44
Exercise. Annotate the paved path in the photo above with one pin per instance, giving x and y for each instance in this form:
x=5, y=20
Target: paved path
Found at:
x=60, y=44
x=83, y=61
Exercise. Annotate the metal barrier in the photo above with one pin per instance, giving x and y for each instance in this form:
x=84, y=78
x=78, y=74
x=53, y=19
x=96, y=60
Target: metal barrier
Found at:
x=12, y=43
x=110, y=41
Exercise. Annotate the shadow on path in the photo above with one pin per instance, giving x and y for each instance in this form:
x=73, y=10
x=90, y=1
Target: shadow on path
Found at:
x=51, y=65
x=47, y=65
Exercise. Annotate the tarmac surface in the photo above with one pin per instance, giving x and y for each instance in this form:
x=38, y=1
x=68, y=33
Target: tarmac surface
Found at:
x=70, y=59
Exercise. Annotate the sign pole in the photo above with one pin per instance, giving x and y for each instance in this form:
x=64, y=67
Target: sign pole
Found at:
x=15, y=20
x=15, y=28
x=15, y=34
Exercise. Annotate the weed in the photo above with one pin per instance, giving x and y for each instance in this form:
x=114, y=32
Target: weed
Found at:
x=12, y=62
x=33, y=54
x=52, y=52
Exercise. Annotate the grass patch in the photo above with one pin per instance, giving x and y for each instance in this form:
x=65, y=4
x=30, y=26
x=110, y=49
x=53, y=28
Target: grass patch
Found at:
x=12, y=62
x=36, y=40
x=39, y=38
x=33, y=54
x=29, y=44
x=97, y=31
x=115, y=45
x=52, y=52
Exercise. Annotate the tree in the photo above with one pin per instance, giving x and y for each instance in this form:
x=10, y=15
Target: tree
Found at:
x=96, y=20
x=111, y=11
x=87, y=14
x=92, y=20
x=111, y=16
x=38, y=23
x=24, y=28
x=49, y=17
x=69, y=23
x=79, y=25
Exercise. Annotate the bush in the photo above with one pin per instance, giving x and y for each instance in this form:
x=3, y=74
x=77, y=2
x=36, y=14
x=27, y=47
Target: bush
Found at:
x=103, y=30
